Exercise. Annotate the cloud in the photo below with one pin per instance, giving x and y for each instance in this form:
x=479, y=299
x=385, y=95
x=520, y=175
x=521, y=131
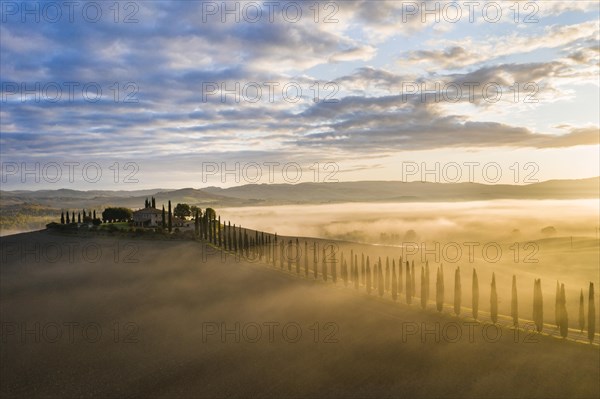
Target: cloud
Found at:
x=459, y=54
x=171, y=52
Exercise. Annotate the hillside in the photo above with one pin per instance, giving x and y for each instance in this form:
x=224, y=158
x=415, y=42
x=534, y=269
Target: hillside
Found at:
x=307, y=193
x=151, y=322
x=394, y=191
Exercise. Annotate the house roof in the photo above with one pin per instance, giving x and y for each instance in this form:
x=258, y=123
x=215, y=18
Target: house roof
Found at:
x=147, y=210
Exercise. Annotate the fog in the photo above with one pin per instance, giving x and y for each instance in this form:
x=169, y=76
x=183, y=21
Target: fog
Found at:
x=503, y=237
x=153, y=315
x=372, y=222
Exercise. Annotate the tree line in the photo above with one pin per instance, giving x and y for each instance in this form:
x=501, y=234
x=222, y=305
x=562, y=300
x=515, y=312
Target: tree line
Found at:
x=400, y=279
x=82, y=217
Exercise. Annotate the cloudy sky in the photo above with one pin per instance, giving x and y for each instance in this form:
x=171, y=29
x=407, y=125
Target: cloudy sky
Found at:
x=169, y=94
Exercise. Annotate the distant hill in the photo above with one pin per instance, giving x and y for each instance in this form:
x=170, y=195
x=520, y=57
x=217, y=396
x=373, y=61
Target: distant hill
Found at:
x=394, y=191
x=309, y=193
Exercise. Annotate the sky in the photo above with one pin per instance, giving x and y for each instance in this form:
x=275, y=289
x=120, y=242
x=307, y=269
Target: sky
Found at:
x=170, y=94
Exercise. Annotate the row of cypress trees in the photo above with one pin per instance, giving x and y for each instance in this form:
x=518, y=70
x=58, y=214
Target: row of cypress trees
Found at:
x=373, y=276
x=86, y=217
x=379, y=279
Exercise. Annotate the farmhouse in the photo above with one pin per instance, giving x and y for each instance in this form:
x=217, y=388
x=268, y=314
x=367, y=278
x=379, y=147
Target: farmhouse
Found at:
x=147, y=217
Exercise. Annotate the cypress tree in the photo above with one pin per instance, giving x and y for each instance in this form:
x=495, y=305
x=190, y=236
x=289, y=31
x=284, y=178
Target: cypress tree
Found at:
x=68, y=219
x=443, y=283
x=394, y=281
x=535, y=304
x=387, y=273
x=83, y=213
x=78, y=217
x=164, y=217
x=564, y=317
x=557, y=306
x=581, y=312
x=426, y=281
x=94, y=218
x=368, y=277
x=413, y=282
x=62, y=217
x=229, y=237
x=457, y=291
x=591, y=313
x=475, y=292
x=201, y=223
x=207, y=228
x=153, y=203
x=400, y=282
x=494, y=301
x=324, y=266
x=315, y=260
x=538, y=305
x=408, y=283
x=220, y=240
x=362, y=270
x=288, y=256
x=514, y=305
x=196, y=225
x=273, y=249
x=375, y=279
x=423, y=289
x=234, y=239
x=297, y=256
x=333, y=265
x=356, y=280
x=305, y=259
x=297, y=260
x=351, y=277
x=73, y=217
x=380, y=284
x=345, y=270
x=439, y=291
x=170, y=222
